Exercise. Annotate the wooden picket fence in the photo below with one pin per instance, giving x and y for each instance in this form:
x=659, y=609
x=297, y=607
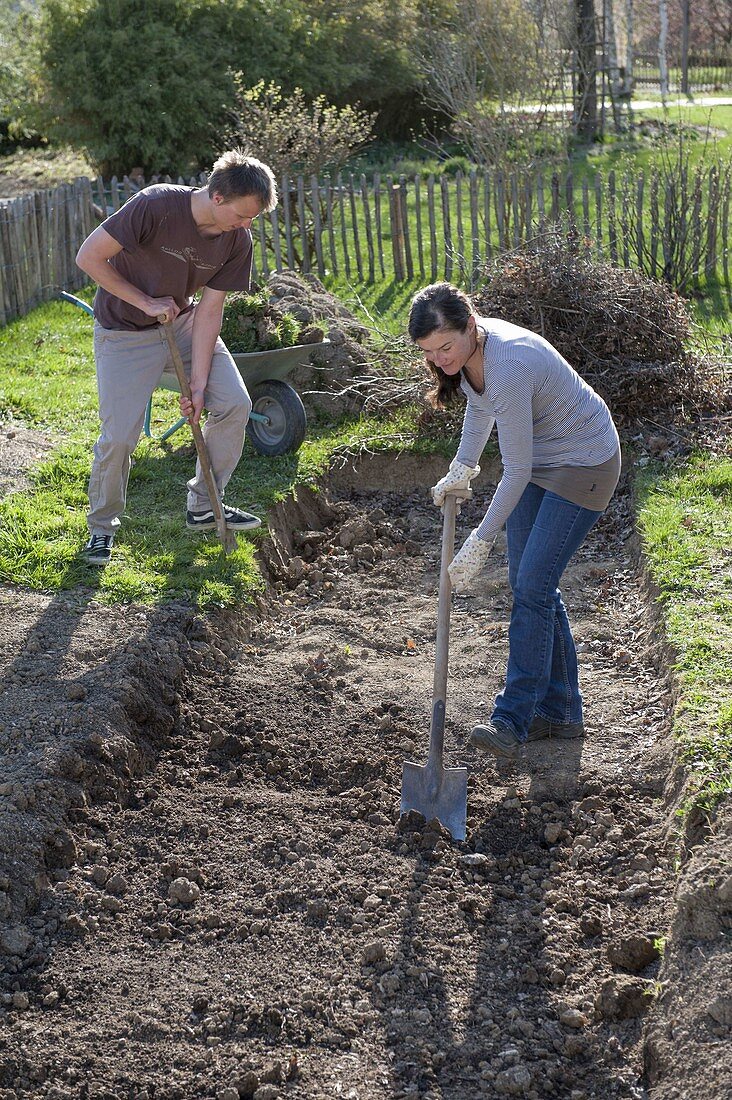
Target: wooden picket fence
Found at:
x=396, y=229
x=40, y=235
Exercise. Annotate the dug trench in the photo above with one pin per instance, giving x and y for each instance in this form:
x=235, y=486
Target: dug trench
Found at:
x=207, y=890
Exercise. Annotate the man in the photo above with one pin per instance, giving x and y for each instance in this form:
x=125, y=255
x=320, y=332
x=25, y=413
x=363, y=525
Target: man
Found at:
x=149, y=259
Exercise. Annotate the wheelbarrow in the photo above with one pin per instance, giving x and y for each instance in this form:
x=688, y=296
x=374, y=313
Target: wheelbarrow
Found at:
x=278, y=421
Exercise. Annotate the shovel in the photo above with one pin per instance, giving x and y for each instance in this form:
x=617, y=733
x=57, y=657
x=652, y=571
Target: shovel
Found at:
x=432, y=789
x=226, y=537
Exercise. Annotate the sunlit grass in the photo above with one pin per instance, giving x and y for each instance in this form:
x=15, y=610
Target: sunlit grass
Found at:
x=685, y=517
x=47, y=380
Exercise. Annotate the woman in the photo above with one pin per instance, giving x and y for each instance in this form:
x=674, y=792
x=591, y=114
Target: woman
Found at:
x=561, y=463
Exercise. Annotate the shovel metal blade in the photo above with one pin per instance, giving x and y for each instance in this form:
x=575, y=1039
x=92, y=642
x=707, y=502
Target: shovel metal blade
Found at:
x=434, y=791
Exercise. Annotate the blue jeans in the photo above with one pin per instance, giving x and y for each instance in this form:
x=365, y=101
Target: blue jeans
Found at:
x=543, y=532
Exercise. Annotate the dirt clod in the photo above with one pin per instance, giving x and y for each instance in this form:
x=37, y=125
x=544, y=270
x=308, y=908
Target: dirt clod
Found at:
x=632, y=952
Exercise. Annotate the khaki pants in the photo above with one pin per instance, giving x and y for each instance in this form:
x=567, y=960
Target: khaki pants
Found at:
x=129, y=367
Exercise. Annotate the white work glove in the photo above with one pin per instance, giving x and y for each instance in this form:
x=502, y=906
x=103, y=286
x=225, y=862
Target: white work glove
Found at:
x=469, y=560
x=458, y=476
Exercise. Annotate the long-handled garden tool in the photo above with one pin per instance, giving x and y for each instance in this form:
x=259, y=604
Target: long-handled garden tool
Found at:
x=227, y=537
x=431, y=788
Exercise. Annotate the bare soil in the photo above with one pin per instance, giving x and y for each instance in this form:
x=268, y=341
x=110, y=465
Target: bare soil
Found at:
x=205, y=889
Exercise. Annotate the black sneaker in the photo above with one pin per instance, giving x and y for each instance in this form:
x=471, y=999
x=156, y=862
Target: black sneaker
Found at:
x=542, y=727
x=236, y=520
x=98, y=550
x=499, y=739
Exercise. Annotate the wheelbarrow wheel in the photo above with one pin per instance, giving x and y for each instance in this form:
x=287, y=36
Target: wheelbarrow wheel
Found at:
x=286, y=423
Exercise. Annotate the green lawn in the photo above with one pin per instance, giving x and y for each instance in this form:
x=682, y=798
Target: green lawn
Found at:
x=47, y=381
x=706, y=132
x=685, y=518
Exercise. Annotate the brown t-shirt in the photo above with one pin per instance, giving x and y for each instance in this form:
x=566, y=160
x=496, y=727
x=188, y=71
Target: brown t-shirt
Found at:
x=164, y=254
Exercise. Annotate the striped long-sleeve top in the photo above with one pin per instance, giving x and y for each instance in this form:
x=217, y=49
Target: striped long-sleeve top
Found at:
x=546, y=415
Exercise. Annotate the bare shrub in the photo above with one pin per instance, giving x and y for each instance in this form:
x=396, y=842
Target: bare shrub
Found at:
x=292, y=135
x=625, y=333
x=483, y=60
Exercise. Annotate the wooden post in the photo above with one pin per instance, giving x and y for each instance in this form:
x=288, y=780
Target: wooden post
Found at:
x=405, y=226
x=418, y=220
x=288, y=220
x=101, y=197
x=556, y=215
x=474, y=226
x=18, y=254
x=331, y=228
x=44, y=243
x=344, y=235
x=462, y=263
x=654, y=225
x=302, y=218
x=317, y=225
x=598, y=213
x=500, y=204
x=433, y=226
x=569, y=199
x=53, y=232
x=487, y=215
x=528, y=197
x=612, y=233
x=34, y=248
x=696, y=225
x=668, y=235
x=10, y=305
x=639, y=242
x=540, y=204
x=4, y=268
x=515, y=209
x=710, y=265
x=354, y=222
x=625, y=220
x=377, y=213
x=586, y=224
x=263, y=245
x=725, y=233
x=276, y=243
x=367, y=227
x=447, y=231
x=395, y=219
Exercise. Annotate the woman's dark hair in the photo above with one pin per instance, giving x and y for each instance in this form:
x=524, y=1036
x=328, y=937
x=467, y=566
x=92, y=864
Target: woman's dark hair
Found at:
x=437, y=307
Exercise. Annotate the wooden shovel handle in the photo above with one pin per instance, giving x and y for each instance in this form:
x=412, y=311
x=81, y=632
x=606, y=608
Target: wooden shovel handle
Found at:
x=227, y=538
x=439, y=690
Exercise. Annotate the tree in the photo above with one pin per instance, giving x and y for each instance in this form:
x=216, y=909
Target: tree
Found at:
x=482, y=59
x=135, y=82
x=586, y=84
x=146, y=83
x=18, y=65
